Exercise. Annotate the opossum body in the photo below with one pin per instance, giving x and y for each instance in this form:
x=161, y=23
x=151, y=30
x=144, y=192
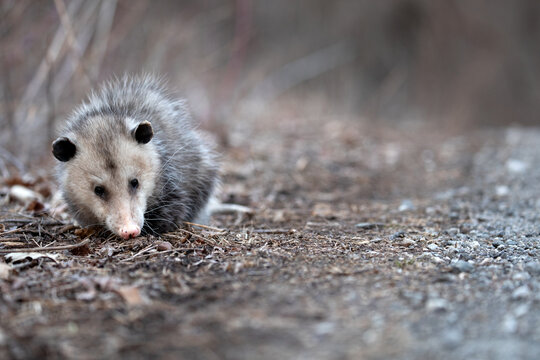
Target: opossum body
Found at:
x=131, y=159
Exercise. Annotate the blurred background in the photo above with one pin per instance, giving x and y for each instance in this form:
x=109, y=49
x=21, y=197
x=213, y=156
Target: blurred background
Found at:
x=448, y=64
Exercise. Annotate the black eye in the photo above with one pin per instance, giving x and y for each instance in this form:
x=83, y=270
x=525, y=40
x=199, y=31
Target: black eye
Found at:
x=134, y=183
x=99, y=191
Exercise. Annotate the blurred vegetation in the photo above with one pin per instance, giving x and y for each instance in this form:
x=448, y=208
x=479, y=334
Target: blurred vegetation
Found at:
x=453, y=63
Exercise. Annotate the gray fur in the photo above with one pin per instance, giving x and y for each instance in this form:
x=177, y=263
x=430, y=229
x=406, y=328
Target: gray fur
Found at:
x=188, y=169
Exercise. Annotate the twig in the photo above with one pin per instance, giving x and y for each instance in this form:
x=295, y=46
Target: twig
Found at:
x=9, y=157
x=157, y=253
x=39, y=77
x=72, y=40
x=19, y=229
x=211, y=242
x=11, y=239
x=270, y=231
x=51, y=248
x=102, y=35
x=146, y=249
x=66, y=228
x=21, y=221
x=85, y=32
x=205, y=226
x=32, y=221
x=303, y=69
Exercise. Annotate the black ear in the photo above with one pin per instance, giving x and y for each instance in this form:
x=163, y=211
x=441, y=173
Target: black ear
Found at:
x=143, y=133
x=63, y=149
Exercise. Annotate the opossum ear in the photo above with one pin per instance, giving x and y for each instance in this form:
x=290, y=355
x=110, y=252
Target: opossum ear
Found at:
x=143, y=133
x=63, y=149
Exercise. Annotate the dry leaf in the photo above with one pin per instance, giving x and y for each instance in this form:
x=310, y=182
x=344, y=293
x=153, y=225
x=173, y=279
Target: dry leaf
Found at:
x=164, y=246
x=85, y=232
x=131, y=295
x=35, y=206
x=5, y=269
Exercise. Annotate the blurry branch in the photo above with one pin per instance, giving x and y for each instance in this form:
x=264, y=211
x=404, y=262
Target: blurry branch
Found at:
x=103, y=31
x=72, y=41
x=127, y=22
x=388, y=88
x=301, y=70
x=7, y=158
x=37, y=81
x=85, y=31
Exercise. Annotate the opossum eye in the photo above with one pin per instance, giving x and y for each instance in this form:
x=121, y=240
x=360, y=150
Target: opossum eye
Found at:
x=134, y=183
x=99, y=191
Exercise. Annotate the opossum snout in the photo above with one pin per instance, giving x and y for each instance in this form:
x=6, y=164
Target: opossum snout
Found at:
x=129, y=230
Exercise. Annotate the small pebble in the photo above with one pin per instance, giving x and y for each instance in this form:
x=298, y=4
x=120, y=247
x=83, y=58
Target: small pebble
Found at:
x=510, y=324
x=502, y=190
x=406, y=205
x=462, y=266
x=533, y=267
x=516, y=166
x=452, y=338
x=520, y=276
x=324, y=328
x=437, y=304
x=521, y=293
x=407, y=242
x=368, y=226
x=432, y=247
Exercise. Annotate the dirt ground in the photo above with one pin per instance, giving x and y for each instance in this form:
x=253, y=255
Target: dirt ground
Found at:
x=366, y=242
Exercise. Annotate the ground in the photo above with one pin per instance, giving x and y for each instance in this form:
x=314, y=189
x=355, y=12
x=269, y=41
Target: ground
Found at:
x=366, y=242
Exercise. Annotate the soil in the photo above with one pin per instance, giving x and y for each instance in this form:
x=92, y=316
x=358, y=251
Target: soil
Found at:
x=365, y=242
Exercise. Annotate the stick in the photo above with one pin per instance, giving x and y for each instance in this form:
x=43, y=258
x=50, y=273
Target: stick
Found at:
x=205, y=226
x=146, y=249
x=270, y=231
x=157, y=253
x=211, y=242
x=53, y=51
x=11, y=239
x=51, y=248
x=72, y=40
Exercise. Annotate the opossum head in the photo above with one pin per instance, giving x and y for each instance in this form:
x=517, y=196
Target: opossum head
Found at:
x=108, y=171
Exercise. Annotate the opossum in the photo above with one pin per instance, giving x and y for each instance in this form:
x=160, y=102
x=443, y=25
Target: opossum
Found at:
x=132, y=160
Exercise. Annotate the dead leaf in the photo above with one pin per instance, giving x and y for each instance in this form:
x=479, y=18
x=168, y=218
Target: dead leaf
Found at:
x=44, y=189
x=85, y=232
x=164, y=246
x=81, y=250
x=131, y=295
x=5, y=269
x=35, y=206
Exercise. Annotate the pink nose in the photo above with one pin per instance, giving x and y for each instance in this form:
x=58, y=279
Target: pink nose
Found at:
x=130, y=231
